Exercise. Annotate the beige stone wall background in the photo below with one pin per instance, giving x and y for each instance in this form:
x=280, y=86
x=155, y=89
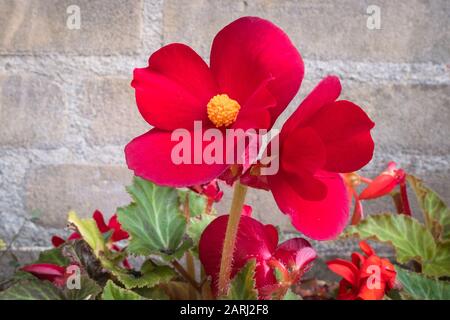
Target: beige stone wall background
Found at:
x=67, y=109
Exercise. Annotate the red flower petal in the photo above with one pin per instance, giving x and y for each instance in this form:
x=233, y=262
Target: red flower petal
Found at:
x=327, y=91
x=271, y=233
x=118, y=233
x=366, y=248
x=380, y=186
x=251, y=50
x=296, y=252
x=74, y=236
x=254, y=240
x=388, y=273
x=298, y=168
x=126, y=264
x=255, y=113
x=149, y=156
x=322, y=219
x=358, y=259
x=386, y=270
x=100, y=221
x=212, y=191
x=175, y=88
x=303, y=152
x=45, y=271
x=366, y=278
x=247, y=210
x=347, y=291
x=367, y=268
x=345, y=131
x=57, y=241
x=255, y=181
x=375, y=293
x=345, y=269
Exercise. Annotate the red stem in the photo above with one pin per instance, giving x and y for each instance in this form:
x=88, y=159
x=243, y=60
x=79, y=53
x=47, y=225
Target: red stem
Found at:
x=405, y=201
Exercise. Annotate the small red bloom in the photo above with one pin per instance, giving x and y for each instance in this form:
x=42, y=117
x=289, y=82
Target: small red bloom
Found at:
x=321, y=139
x=118, y=233
x=254, y=73
x=212, y=192
x=256, y=241
x=57, y=241
x=366, y=277
x=113, y=226
x=384, y=183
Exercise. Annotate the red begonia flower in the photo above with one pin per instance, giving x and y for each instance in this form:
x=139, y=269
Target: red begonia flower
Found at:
x=113, y=226
x=321, y=139
x=254, y=73
x=366, y=277
x=212, y=192
x=118, y=233
x=47, y=271
x=384, y=183
x=260, y=242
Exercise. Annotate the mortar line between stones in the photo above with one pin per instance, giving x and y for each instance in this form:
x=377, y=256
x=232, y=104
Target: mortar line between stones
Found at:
x=123, y=65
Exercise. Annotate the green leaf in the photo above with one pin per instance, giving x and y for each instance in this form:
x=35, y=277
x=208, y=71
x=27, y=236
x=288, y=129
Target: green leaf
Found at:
x=440, y=265
x=2, y=245
x=178, y=254
x=22, y=275
x=196, y=227
x=54, y=256
x=422, y=288
x=436, y=212
x=114, y=292
x=32, y=289
x=411, y=240
x=154, y=293
x=243, y=285
x=88, y=289
x=89, y=232
x=150, y=275
x=197, y=202
x=153, y=220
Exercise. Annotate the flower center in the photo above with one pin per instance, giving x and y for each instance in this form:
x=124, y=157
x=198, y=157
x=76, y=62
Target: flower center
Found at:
x=222, y=110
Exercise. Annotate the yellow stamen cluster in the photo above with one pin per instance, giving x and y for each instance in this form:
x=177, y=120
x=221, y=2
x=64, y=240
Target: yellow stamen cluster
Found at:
x=222, y=110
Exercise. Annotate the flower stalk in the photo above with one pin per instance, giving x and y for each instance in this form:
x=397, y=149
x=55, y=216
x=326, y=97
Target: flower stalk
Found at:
x=405, y=200
x=186, y=275
x=229, y=243
x=190, y=266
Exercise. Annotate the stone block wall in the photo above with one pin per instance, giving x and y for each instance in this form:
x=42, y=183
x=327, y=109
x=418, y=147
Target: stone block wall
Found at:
x=67, y=109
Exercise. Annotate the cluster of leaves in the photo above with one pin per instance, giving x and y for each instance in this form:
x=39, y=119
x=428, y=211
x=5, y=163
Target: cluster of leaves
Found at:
x=423, y=247
x=164, y=224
